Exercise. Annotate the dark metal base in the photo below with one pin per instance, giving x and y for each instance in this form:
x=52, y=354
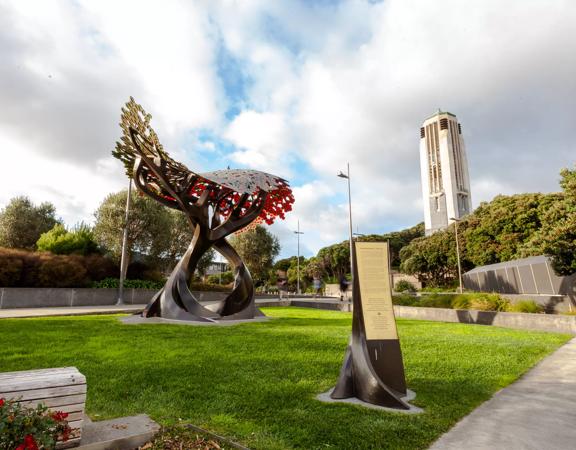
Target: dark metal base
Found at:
x=177, y=302
x=359, y=377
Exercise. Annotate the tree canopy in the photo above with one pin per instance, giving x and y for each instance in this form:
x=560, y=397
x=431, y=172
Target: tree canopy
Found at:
x=258, y=248
x=149, y=226
x=22, y=222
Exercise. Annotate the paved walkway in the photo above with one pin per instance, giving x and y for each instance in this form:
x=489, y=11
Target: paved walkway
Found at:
x=65, y=311
x=536, y=412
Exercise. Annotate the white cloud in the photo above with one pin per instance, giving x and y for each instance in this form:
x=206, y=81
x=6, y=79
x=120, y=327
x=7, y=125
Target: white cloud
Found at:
x=324, y=85
x=263, y=141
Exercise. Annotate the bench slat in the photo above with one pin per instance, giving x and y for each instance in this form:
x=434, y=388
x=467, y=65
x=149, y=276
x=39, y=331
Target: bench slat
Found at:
x=31, y=373
x=45, y=382
x=37, y=394
x=59, y=402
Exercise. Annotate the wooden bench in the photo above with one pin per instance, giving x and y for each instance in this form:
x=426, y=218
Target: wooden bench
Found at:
x=62, y=389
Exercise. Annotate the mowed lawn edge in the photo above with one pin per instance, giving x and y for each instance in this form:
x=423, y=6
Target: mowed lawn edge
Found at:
x=256, y=383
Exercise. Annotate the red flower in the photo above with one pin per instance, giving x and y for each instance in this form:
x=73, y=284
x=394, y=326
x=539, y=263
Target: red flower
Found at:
x=59, y=416
x=2, y=401
x=66, y=433
x=29, y=443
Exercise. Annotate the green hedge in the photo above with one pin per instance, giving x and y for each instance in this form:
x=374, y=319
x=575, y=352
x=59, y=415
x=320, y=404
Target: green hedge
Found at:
x=114, y=283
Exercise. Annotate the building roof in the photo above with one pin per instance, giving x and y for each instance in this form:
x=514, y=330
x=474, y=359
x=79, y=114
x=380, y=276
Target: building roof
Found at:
x=440, y=112
x=515, y=262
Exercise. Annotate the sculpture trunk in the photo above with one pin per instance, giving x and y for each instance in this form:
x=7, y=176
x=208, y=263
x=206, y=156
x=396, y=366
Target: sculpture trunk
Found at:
x=176, y=300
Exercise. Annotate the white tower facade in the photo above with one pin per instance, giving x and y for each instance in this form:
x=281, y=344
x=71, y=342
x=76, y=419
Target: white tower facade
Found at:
x=444, y=171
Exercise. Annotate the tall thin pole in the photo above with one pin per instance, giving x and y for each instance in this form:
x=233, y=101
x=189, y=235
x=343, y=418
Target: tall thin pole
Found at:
x=350, y=213
x=124, y=260
x=458, y=257
x=298, y=263
x=298, y=233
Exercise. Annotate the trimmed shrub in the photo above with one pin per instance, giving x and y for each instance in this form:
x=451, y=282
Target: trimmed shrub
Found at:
x=100, y=267
x=198, y=286
x=114, y=283
x=404, y=286
x=10, y=270
x=20, y=268
x=61, y=271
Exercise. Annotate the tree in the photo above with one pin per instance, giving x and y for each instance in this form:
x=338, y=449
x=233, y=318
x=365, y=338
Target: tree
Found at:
x=336, y=259
x=147, y=225
x=431, y=259
x=397, y=241
x=283, y=264
x=60, y=241
x=502, y=229
x=22, y=223
x=557, y=236
x=258, y=248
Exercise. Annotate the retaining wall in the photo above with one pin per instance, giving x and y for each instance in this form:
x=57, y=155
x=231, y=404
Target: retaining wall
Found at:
x=46, y=297
x=543, y=322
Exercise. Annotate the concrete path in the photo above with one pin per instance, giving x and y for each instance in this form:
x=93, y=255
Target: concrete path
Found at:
x=536, y=412
x=72, y=311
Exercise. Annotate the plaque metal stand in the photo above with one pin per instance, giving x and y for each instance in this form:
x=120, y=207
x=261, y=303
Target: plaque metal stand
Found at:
x=373, y=370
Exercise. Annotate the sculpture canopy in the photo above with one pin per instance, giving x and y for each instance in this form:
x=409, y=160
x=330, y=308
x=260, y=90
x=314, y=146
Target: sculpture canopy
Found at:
x=232, y=190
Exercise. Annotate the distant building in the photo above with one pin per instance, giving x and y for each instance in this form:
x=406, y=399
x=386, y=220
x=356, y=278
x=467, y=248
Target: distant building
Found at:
x=444, y=170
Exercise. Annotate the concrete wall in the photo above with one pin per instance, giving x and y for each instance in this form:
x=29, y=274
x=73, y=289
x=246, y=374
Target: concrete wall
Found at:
x=542, y=322
x=524, y=321
x=46, y=297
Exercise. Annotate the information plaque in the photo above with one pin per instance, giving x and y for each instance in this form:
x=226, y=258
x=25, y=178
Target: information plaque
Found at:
x=375, y=292
x=373, y=370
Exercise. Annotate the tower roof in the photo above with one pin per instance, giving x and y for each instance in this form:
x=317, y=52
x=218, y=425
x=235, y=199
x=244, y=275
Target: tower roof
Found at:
x=439, y=112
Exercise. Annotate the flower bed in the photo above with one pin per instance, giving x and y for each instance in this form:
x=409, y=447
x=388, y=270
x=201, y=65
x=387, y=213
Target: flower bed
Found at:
x=31, y=428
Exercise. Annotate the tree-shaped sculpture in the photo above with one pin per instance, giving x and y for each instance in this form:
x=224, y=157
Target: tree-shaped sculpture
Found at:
x=216, y=203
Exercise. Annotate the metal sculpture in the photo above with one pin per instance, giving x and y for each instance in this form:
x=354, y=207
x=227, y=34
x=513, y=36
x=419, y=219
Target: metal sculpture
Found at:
x=216, y=204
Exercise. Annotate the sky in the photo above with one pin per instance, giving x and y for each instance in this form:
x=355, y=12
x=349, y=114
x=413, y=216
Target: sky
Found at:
x=295, y=88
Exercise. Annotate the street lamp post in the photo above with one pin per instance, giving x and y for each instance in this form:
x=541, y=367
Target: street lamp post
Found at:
x=124, y=260
x=458, y=253
x=347, y=176
x=298, y=233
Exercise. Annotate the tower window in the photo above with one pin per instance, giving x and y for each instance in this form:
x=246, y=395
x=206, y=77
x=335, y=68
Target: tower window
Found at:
x=459, y=129
x=444, y=124
x=422, y=133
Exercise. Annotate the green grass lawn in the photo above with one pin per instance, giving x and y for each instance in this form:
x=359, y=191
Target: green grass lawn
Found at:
x=256, y=383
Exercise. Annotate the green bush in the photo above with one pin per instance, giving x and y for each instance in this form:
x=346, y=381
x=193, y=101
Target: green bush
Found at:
x=227, y=278
x=404, y=286
x=436, y=301
x=209, y=287
x=114, y=283
x=480, y=301
x=406, y=300
x=63, y=242
x=526, y=306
